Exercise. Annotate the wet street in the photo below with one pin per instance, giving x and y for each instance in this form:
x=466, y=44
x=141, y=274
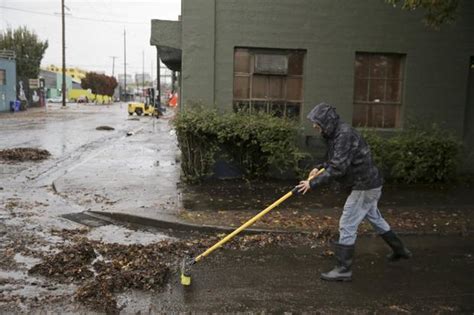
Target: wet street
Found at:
x=134, y=170
x=437, y=280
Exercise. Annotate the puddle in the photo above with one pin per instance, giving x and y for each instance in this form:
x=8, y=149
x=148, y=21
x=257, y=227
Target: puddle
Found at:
x=26, y=260
x=121, y=235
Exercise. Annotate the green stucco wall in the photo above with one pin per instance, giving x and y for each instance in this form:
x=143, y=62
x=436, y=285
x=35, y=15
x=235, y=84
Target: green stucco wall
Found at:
x=331, y=32
x=8, y=90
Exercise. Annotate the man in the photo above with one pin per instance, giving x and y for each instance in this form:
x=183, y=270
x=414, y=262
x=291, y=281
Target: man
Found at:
x=349, y=162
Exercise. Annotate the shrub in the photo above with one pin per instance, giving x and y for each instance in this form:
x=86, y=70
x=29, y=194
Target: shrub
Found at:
x=256, y=142
x=416, y=155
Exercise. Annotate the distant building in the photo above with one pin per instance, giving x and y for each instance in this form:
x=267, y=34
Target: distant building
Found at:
x=121, y=79
x=53, y=83
x=145, y=77
x=7, y=79
x=76, y=74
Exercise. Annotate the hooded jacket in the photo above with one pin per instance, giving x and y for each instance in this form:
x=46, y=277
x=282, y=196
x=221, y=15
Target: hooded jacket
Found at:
x=349, y=160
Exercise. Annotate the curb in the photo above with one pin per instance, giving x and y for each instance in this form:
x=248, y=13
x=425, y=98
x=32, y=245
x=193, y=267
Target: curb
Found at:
x=182, y=226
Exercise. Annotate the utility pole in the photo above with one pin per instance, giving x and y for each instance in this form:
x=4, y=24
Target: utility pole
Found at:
x=125, y=63
x=158, y=75
x=143, y=72
x=113, y=64
x=151, y=73
x=64, y=53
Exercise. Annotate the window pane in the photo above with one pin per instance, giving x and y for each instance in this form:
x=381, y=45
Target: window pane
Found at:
x=359, y=116
x=271, y=63
x=294, y=89
x=295, y=63
x=276, y=87
x=376, y=116
x=241, y=61
x=362, y=66
x=241, y=106
x=241, y=87
x=394, y=67
x=390, y=116
x=259, y=106
x=259, y=86
x=378, y=66
x=394, y=88
x=361, y=87
x=293, y=111
x=277, y=109
x=376, y=90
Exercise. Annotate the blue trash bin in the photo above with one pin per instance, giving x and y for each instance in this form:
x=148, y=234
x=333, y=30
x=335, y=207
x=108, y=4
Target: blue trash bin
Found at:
x=15, y=106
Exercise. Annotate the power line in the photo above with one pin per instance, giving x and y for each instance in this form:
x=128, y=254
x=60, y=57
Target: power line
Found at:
x=73, y=17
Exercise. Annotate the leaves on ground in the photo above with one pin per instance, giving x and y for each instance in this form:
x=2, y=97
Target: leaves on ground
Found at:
x=24, y=154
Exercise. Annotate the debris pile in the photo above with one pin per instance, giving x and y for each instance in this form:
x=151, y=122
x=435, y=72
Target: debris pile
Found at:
x=106, y=128
x=71, y=264
x=24, y=154
x=104, y=269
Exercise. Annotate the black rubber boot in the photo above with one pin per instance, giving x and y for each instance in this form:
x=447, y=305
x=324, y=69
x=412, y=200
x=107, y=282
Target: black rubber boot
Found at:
x=342, y=271
x=399, y=250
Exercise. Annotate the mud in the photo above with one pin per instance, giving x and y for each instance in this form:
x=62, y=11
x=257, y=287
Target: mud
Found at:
x=24, y=154
x=419, y=221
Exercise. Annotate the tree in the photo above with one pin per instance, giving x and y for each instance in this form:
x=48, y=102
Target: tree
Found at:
x=28, y=48
x=438, y=12
x=99, y=83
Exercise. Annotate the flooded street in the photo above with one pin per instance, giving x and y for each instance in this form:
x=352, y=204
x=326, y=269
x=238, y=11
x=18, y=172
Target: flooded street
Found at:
x=64, y=250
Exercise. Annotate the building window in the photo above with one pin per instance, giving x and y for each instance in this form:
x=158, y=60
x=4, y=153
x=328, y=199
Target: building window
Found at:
x=378, y=82
x=269, y=80
x=3, y=77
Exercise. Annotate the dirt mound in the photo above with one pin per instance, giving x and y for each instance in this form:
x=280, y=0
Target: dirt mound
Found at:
x=107, y=128
x=24, y=154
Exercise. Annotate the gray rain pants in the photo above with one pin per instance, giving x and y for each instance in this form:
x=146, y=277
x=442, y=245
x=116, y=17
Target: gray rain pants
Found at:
x=360, y=205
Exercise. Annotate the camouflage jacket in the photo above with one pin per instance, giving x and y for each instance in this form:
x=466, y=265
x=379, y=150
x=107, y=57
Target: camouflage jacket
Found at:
x=348, y=159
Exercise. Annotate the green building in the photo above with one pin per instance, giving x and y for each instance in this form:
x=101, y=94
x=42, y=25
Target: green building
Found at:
x=380, y=66
x=7, y=79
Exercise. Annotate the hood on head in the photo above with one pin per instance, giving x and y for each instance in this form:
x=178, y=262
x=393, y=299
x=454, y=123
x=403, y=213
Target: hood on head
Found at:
x=326, y=117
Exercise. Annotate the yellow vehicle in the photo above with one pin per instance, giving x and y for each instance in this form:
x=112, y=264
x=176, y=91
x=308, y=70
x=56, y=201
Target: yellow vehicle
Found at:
x=140, y=108
x=147, y=108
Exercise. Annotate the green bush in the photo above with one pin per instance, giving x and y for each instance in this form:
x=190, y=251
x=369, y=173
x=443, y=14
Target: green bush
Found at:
x=256, y=142
x=416, y=155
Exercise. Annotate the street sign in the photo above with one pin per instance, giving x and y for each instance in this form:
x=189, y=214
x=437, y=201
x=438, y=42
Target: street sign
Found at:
x=34, y=83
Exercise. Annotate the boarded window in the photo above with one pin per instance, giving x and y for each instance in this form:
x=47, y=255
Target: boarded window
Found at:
x=2, y=77
x=267, y=80
x=378, y=81
x=271, y=64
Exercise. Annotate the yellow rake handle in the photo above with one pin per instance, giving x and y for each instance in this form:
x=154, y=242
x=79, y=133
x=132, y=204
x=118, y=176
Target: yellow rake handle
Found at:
x=249, y=222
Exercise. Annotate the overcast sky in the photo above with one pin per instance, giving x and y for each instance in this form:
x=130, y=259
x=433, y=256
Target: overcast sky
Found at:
x=94, y=30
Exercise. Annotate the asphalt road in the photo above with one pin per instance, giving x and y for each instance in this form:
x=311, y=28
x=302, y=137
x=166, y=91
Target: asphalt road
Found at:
x=277, y=280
